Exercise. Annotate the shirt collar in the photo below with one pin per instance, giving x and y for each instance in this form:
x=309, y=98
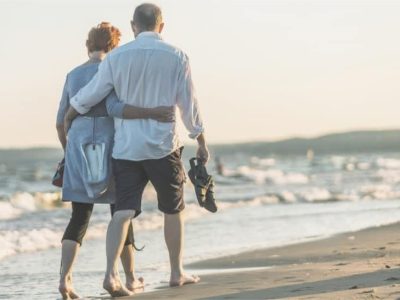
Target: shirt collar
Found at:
x=149, y=34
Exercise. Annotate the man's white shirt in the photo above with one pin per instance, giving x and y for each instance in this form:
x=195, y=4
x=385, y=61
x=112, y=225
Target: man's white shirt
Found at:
x=146, y=72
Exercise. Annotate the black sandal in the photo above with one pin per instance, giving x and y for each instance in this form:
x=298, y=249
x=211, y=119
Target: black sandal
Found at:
x=203, y=185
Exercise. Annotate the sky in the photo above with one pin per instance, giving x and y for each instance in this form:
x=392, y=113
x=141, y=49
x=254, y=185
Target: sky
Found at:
x=263, y=69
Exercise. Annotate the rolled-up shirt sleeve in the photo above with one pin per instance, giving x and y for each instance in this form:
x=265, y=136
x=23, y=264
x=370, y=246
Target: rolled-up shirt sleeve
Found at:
x=115, y=108
x=64, y=104
x=95, y=91
x=187, y=101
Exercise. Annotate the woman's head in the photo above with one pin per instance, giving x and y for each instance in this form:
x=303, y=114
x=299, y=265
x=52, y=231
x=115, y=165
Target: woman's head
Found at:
x=104, y=37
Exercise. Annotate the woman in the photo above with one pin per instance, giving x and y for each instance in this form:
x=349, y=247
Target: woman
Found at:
x=87, y=175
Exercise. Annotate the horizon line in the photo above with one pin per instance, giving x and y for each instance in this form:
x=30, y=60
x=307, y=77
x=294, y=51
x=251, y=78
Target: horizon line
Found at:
x=292, y=137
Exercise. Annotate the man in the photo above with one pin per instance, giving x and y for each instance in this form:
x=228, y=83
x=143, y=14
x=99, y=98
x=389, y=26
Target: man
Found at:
x=147, y=72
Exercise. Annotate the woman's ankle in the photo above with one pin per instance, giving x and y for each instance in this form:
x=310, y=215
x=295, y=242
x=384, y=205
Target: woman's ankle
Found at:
x=130, y=276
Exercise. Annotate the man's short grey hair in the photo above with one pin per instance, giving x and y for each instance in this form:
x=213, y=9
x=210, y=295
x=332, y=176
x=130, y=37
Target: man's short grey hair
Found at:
x=147, y=16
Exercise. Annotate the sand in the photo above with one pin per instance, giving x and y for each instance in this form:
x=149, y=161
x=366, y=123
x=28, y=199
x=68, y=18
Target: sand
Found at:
x=358, y=265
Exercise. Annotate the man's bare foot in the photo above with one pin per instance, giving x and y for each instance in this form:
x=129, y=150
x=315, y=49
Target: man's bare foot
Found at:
x=115, y=288
x=184, y=279
x=66, y=290
x=135, y=285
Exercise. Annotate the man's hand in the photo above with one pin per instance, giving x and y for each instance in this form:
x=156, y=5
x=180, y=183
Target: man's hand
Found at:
x=165, y=114
x=69, y=117
x=203, y=154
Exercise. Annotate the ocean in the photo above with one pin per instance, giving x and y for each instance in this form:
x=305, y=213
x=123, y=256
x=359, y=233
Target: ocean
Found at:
x=264, y=199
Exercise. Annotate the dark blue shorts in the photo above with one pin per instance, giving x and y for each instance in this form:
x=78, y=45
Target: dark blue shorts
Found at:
x=166, y=174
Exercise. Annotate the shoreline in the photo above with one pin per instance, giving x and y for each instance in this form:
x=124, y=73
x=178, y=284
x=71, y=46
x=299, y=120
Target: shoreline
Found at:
x=356, y=265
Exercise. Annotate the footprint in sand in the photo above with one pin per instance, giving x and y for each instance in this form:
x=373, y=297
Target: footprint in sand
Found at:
x=301, y=290
x=393, y=243
x=342, y=264
x=393, y=279
x=289, y=279
x=373, y=291
x=296, y=281
x=354, y=287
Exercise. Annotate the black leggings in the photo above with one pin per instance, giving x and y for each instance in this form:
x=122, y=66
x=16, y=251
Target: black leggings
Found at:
x=79, y=222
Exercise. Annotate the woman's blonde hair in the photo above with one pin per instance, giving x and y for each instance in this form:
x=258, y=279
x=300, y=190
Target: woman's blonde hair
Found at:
x=103, y=37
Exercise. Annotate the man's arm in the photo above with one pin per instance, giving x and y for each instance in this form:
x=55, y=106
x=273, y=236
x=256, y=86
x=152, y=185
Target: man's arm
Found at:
x=96, y=90
x=189, y=108
x=118, y=109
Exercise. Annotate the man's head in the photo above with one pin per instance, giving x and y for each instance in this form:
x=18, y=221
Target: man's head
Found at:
x=147, y=17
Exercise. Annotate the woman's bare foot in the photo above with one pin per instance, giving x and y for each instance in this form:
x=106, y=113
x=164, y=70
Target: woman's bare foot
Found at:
x=135, y=285
x=184, y=279
x=115, y=288
x=66, y=289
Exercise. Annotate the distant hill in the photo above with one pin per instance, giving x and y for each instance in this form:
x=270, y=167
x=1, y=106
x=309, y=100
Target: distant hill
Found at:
x=348, y=142
x=29, y=155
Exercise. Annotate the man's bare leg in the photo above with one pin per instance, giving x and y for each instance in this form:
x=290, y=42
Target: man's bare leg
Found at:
x=128, y=263
x=174, y=232
x=69, y=251
x=116, y=235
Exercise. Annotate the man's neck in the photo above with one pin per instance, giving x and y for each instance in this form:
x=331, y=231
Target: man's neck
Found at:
x=147, y=31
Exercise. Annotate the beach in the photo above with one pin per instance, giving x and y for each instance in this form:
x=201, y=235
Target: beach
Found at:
x=288, y=108
x=265, y=202
x=357, y=265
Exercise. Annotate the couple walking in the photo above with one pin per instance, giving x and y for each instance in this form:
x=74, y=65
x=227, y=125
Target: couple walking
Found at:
x=119, y=112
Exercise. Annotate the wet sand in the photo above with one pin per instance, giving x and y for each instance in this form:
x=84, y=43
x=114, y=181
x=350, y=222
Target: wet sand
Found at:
x=358, y=265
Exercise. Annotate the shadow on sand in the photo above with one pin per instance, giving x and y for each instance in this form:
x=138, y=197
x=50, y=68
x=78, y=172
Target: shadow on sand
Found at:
x=358, y=281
